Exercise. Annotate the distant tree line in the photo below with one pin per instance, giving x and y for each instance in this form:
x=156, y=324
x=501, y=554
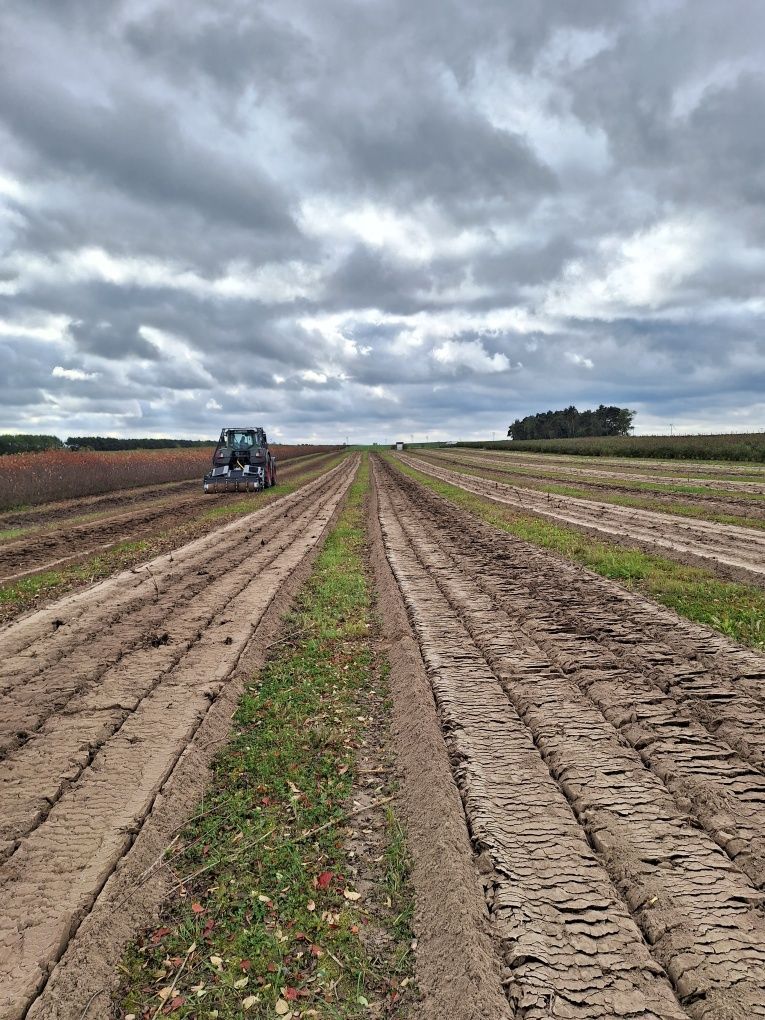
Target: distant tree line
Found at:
x=36, y=444
x=109, y=443
x=29, y=444
x=572, y=423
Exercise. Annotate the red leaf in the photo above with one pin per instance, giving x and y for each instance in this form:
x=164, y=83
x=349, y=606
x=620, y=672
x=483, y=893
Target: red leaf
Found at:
x=245, y=965
x=197, y=908
x=324, y=879
x=316, y=950
x=174, y=1004
x=271, y=968
x=290, y=994
x=160, y=934
x=209, y=925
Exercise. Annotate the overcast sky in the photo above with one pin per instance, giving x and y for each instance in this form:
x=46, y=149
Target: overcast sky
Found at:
x=379, y=218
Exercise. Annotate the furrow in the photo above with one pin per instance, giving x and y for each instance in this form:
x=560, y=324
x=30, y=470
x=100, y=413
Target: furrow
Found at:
x=695, y=908
x=34, y=644
x=34, y=776
x=53, y=879
x=569, y=945
x=720, y=685
x=715, y=545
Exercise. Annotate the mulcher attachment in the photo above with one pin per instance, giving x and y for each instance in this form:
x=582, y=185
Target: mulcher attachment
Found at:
x=242, y=462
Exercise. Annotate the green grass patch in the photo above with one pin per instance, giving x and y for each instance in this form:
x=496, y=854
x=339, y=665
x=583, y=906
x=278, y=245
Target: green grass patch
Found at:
x=273, y=911
x=8, y=533
x=736, y=610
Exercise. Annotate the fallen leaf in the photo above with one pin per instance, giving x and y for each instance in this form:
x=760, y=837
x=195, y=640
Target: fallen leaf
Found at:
x=249, y=1002
x=324, y=879
x=281, y=1007
x=245, y=965
x=177, y=1001
x=310, y=905
x=241, y=983
x=316, y=951
x=290, y=994
x=160, y=934
x=351, y=895
x=217, y=962
x=165, y=993
x=197, y=908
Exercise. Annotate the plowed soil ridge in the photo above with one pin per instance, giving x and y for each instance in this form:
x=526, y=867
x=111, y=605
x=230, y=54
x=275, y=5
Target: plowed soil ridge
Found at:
x=720, y=547
x=529, y=745
x=666, y=477
x=523, y=476
x=118, y=704
x=71, y=541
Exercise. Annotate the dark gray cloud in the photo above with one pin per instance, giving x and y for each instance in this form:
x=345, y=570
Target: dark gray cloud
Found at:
x=379, y=218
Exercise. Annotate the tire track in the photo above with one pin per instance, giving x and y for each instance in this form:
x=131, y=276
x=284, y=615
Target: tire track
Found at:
x=694, y=907
x=56, y=654
x=718, y=547
x=57, y=871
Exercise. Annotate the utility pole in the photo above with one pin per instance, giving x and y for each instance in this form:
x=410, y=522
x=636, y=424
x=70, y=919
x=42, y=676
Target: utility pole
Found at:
x=671, y=429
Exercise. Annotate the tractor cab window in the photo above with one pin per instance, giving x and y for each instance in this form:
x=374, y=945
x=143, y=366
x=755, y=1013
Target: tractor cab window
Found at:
x=240, y=440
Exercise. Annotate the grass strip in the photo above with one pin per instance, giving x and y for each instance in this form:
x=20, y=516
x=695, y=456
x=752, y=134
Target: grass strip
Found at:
x=28, y=592
x=736, y=610
x=279, y=922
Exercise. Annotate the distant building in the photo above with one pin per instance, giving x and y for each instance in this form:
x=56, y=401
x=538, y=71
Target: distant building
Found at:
x=399, y=445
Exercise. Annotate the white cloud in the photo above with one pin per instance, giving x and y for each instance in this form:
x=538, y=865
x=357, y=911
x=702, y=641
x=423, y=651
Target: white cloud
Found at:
x=213, y=405
x=579, y=359
x=76, y=374
x=469, y=354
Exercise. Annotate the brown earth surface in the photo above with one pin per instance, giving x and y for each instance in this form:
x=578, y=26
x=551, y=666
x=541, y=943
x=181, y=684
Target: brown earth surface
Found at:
x=58, y=537
x=609, y=757
x=727, y=549
x=597, y=482
x=102, y=698
x=643, y=471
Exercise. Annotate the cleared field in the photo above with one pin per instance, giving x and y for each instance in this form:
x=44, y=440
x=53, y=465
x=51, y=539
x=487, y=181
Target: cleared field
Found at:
x=609, y=760
x=729, y=549
x=70, y=532
x=101, y=695
x=577, y=764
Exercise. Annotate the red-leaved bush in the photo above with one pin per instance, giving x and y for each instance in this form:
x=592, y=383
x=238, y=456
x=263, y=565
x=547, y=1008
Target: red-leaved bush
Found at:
x=30, y=478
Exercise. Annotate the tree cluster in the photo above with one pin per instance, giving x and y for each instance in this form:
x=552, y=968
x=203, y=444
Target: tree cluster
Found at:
x=29, y=444
x=570, y=423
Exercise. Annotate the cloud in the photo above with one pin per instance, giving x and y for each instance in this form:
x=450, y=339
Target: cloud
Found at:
x=469, y=354
x=75, y=374
x=378, y=218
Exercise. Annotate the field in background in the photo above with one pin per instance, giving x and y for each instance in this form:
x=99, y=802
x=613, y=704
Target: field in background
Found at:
x=32, y=478
x=746, y=447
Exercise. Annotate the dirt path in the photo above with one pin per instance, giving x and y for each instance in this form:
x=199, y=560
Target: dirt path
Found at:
x=610, y=760
x=729, y=550
x=64, y=540
x=100, y=696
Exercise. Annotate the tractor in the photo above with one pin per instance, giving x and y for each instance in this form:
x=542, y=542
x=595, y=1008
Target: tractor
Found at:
x=242, y=462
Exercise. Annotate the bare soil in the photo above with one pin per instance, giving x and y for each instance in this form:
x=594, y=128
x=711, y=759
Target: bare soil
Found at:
x=609, y=758
x=730, y=551
x=61, y=538
x=597, y=482
x=103, y=697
